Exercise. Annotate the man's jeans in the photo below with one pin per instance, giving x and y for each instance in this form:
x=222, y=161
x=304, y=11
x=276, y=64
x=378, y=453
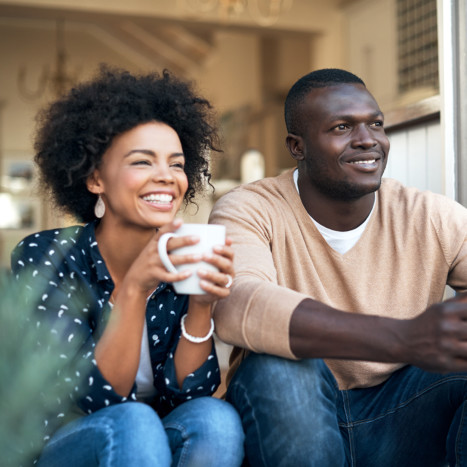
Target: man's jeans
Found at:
x=204, y=432
x=294, y=415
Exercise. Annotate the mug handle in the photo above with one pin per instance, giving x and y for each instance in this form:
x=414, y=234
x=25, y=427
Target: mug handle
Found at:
x=162, y=249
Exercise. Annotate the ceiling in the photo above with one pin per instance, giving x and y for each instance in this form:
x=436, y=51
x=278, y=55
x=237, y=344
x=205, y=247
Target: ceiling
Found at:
x=167, y=33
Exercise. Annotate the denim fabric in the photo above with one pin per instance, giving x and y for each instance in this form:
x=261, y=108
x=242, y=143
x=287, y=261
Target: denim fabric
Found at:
x=205, y=432
x=293, y=414
x=202, y=432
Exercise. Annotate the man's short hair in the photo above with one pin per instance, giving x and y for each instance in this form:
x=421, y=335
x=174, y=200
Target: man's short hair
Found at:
x=316, y=79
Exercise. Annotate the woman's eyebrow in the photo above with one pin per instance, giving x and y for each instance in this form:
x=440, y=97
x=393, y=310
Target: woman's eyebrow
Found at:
x=149, y=152
x=141, y=151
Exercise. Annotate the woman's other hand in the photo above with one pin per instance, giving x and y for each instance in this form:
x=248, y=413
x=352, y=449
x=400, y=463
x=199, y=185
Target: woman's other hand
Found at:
x=216, y=284
x=147, y=271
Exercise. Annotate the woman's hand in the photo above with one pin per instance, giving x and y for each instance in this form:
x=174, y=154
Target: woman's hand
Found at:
x=147, y=271
x=216, y=284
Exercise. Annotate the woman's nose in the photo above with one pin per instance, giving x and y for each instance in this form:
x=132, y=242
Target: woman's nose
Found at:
x=162, y=172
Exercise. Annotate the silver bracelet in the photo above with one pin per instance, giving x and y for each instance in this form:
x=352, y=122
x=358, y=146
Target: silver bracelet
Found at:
x=196, y=340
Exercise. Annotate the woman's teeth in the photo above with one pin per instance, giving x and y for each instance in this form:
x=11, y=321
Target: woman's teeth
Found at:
x=160, y=198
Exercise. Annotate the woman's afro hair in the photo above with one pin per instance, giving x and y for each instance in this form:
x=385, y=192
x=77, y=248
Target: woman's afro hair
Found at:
x=74, y=132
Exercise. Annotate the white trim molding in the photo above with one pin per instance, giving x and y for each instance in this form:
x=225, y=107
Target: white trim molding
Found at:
x=452, y=23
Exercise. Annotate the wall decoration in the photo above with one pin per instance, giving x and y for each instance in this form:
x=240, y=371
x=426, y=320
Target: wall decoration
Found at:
x=20, y=210
x=18, y=175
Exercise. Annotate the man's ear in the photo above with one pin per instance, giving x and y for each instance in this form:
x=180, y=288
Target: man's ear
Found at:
x=94, y=183
x=294, y=144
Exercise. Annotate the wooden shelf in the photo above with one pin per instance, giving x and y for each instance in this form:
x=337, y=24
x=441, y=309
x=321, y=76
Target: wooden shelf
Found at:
x=422, y=111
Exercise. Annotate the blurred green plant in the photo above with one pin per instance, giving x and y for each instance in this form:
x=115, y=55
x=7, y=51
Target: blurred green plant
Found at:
x=29, y=374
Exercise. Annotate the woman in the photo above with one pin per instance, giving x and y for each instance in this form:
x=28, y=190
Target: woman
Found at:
x=122, y=153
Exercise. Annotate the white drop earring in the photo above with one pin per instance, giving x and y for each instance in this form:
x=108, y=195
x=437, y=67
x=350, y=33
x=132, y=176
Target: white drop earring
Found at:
x=99, y=208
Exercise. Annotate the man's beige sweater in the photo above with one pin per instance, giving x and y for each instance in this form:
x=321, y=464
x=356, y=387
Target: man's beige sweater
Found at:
x=414, y=244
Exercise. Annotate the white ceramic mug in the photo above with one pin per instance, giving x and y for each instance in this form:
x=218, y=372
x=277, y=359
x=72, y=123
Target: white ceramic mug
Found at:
x=210, y=235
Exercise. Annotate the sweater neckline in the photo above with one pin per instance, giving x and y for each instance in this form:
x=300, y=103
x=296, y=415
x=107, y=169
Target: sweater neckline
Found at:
x=297, y=205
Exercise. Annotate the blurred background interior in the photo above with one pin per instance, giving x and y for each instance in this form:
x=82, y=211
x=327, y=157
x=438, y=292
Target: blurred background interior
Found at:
x=244, y=55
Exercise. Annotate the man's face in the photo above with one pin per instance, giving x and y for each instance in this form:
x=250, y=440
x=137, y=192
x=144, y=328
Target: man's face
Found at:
x=345, y=148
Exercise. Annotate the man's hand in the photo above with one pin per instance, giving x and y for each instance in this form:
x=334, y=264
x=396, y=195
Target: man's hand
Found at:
x=436, y=340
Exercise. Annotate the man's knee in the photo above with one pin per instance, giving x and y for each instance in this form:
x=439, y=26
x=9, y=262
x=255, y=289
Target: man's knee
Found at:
x=282, y=379
x=288, y=411
x=299, y=396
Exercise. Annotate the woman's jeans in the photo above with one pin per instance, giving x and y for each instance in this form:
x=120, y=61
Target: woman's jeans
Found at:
x=294, y=415
x=202, y=432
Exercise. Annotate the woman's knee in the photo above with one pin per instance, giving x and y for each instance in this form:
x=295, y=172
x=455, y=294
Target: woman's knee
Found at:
x=114, y=435
x=223, y=432
x=206, y=428
x=220, y=419
x=134, y=413
x=208, y=417
x=136, y=426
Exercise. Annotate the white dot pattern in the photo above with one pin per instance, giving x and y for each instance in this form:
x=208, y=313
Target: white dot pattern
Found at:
x=72, y=285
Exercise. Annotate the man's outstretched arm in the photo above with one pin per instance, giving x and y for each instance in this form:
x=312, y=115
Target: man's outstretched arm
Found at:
x=435, y=341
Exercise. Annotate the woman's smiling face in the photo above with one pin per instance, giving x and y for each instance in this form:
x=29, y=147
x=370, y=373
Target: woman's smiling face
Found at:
x=141, y=177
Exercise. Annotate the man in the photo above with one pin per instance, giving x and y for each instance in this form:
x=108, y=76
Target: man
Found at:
x=349, y=358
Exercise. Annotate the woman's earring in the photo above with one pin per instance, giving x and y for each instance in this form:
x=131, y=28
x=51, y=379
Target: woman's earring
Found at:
x=99, y=208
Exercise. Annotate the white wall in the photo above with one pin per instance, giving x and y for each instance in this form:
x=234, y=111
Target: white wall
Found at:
x=415, y=157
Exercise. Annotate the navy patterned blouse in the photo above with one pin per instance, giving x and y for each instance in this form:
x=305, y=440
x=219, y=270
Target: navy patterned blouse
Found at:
x=65, y=273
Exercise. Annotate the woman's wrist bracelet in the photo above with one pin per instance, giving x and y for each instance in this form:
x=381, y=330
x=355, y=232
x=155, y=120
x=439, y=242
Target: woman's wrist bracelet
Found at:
x=195, y=340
